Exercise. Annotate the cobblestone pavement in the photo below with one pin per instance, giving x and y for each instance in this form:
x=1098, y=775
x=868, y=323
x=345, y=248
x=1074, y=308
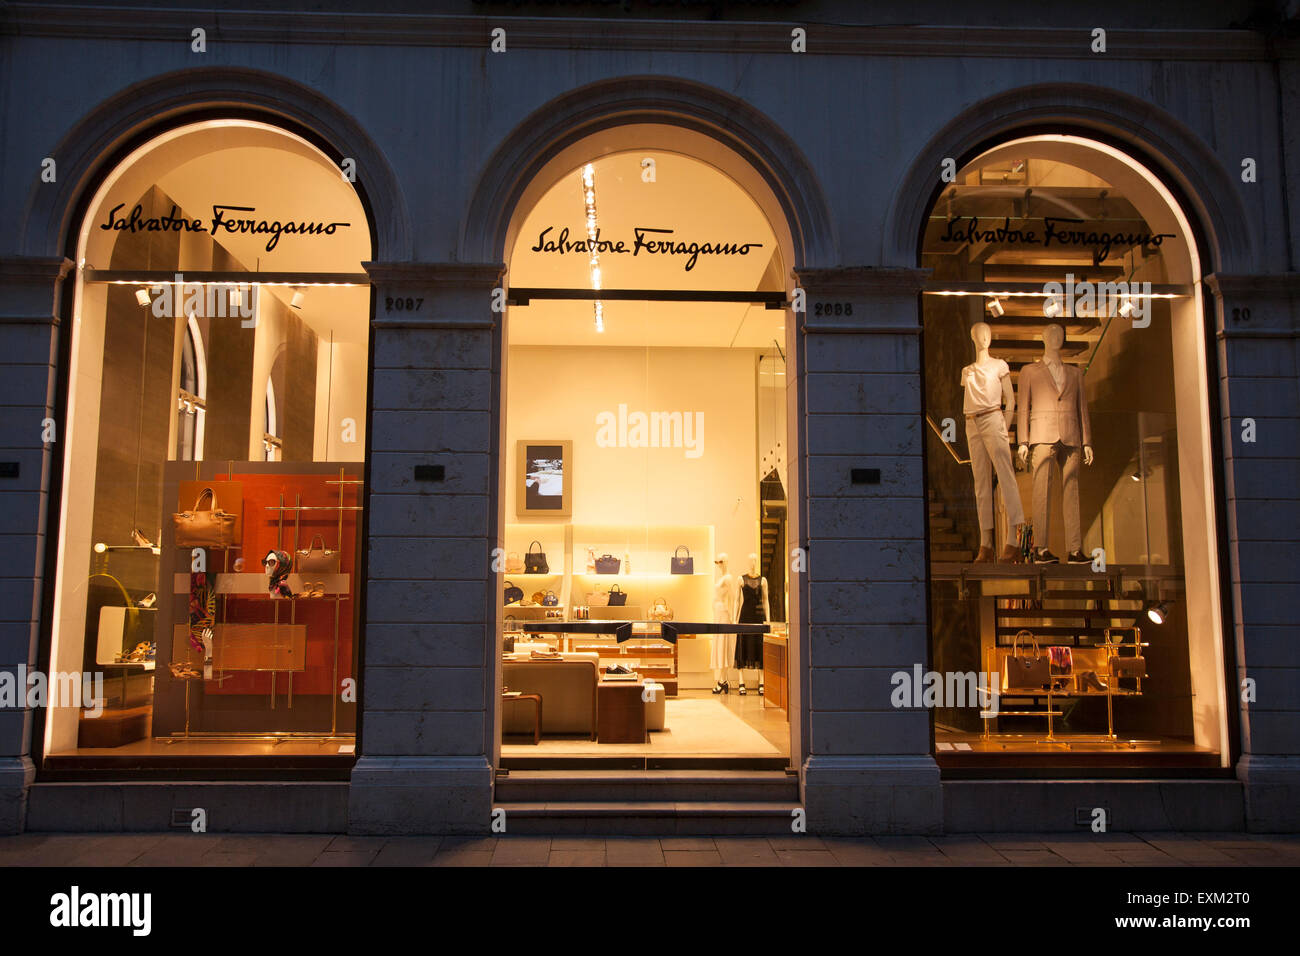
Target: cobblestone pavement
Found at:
x=1037, y=849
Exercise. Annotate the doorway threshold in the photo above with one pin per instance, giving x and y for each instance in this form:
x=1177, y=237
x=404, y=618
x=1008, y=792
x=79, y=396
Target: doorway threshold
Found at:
x=640, y=762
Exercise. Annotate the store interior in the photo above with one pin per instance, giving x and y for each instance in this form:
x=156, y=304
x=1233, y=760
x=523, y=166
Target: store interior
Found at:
x=1107, y=648
x=230, y=361
x=645, y=456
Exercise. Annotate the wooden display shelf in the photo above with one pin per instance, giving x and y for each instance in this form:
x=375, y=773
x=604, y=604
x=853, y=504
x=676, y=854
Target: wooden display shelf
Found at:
x=253, y=584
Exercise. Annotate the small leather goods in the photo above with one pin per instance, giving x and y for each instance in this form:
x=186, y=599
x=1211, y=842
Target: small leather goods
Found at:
x=316, y=560
x=535, y=561
x=514, y=563
x=538, y=597
x=617, y=597
x=549, y=600
x=1062, y=660
x=513, y=593
x=682, y=564
x=1128, y=666
x=660, y=611
x=607, y=564
x=597, y=599
x=205, y=527
x=1025, y=671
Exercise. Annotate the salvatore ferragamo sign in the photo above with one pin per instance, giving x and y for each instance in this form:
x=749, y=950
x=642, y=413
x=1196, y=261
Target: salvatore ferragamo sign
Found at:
x=651, y=242
x=1059, y=232
x=226, y=219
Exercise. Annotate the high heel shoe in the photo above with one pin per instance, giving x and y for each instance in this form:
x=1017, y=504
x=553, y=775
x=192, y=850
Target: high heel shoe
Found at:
x=742, y=688
x=760, y=688
x=717, y=686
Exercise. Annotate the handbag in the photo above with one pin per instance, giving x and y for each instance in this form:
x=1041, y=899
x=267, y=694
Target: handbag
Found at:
x=514, y=563
x=1062, y=660
x=1135, y=666
x=205, y=528
x=660, y=611
x=607, y=564
x=549, y=600
x=1022, y=672
x=316, y=560
x=597, y=599
x=535, y=561
x=617, y=597
x=513, y=593
x=680, y=565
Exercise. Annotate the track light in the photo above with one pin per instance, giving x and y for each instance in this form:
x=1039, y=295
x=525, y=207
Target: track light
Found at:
x=1157, y=612
x=995, y=307
x=142, y=296
x=299, y=297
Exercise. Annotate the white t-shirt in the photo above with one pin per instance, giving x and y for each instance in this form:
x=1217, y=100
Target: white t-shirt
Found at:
x=983, y=384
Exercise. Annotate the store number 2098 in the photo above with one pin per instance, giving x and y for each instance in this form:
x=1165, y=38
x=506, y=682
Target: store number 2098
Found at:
x=832, y=308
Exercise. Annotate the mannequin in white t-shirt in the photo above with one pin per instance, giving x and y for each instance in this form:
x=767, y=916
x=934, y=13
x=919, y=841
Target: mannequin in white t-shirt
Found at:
x=986, y=384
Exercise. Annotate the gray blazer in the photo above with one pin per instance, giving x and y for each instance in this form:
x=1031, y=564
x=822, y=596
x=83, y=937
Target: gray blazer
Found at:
x=1046, y=416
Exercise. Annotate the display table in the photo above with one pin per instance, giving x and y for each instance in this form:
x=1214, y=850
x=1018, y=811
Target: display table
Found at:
x=620, y=713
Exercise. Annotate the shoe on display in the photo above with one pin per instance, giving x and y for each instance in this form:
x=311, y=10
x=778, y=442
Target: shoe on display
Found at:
x=1043, y=556
x=1089, y=680
x=985, y=556
x=1010, y=555
x=1077, y=557
x=760, y=688
x=742, y=688
x=717, y=687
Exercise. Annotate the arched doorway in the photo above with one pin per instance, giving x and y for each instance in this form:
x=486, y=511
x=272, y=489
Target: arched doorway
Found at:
x=219, y=343
x=1070, y=464
x=647, y=454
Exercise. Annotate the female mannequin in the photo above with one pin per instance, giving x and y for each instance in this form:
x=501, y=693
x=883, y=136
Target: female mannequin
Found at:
x=751, y=608
x=723, y=650
x=989, y=404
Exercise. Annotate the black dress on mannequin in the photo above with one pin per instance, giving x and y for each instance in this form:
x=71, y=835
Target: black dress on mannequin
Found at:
x=749, y=647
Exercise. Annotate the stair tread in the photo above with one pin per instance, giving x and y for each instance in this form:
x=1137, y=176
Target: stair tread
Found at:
x=779, y=808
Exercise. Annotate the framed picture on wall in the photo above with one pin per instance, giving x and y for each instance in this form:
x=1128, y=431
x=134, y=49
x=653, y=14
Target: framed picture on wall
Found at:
x=545, y=478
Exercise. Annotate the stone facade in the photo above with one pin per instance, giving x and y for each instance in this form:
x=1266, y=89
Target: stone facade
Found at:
x=847, y=139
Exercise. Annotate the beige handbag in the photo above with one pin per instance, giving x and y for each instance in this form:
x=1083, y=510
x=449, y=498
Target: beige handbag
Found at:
x=514, y=563
x=205, y=528
x=316, y=560
x=660, y=611
x=597, y=599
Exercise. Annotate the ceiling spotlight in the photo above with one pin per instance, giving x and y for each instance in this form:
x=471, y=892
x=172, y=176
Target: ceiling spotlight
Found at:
x=299, y=297
x=1135, y=476
x=1157, y=612
x=995, y=307
x=142, y=296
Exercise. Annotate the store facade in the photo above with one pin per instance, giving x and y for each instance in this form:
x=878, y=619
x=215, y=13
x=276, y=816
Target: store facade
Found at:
x=681, y=343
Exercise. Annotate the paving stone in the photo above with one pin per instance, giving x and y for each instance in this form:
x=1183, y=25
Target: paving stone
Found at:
x=858, y=852
x=570, y=843
x=633, y=852
x=692, y=858
x=687, y=843
x=576, y=858
x=408, y=851
x=807, y=858
x=522, y=851
x=967, y=850
x=751, y=851
x=804, y=841
x=1033, y=857
x=346, y=858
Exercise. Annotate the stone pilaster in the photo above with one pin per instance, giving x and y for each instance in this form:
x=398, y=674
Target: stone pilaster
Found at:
x=868, y=767
x=1258, y=340
x=30, y=297
x=428, y=710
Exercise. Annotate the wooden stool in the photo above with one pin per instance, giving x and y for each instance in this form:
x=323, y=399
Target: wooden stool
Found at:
x=509, y=696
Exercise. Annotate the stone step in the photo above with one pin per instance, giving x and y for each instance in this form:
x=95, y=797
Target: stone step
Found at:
x=653, y=818
x=945, y=537
x=935, y=508
x=939, y=523
x=951, y=557
x=599, y=786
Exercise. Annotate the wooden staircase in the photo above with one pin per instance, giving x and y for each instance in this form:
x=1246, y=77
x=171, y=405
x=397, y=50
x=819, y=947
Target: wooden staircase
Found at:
x=946, y=543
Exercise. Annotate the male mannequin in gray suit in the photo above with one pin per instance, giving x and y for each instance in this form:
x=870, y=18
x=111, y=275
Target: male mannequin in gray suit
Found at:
x=1053, y=421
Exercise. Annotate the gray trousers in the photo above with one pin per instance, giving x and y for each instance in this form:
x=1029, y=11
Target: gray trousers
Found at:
x=1043, y=462
x=990, y=451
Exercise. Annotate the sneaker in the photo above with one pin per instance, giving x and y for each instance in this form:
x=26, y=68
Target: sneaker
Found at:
x=985, y=556
x=1043, y=556
x=1077, y=557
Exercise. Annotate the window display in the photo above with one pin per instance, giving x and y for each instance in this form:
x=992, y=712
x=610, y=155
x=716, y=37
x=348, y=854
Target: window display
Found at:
x=668, y=453
x=212, y=482
x=1074, y=273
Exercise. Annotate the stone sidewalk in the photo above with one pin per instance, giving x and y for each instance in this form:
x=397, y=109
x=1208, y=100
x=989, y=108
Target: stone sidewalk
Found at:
x=1064, y=849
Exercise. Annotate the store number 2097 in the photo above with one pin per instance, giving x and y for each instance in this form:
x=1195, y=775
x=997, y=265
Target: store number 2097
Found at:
x=397, y=303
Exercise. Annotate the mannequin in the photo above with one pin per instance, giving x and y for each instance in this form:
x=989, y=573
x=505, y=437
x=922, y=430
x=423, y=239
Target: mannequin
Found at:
x=751, y=608
x=987, y=386
x=1054, y=424
x=723, y=648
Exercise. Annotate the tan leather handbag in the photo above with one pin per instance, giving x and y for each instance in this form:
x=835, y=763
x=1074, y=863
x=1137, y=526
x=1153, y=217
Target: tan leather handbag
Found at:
x=1022, y=672
x=205, y=527
x=316, y=560
x=660, y=611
